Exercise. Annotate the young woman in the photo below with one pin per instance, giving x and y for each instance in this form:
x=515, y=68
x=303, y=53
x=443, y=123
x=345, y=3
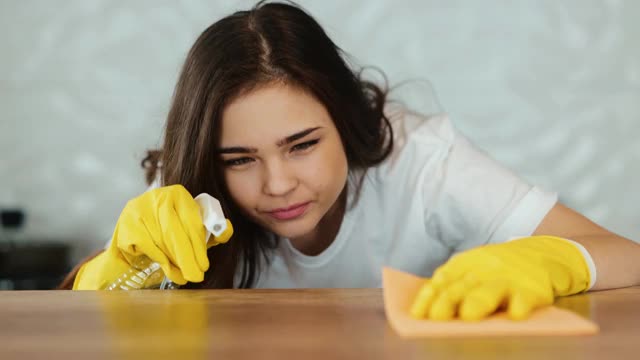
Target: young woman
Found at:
x=325, y=181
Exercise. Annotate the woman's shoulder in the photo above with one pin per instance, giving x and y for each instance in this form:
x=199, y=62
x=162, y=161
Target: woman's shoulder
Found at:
x=421, y=144
x=418, y=139
x=408, y=125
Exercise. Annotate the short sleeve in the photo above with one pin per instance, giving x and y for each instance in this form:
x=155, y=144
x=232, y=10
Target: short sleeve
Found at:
x=469, y=199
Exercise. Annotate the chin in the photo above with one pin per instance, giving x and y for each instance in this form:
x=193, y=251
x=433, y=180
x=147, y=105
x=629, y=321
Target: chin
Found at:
x=291, y=233
x=293, y=229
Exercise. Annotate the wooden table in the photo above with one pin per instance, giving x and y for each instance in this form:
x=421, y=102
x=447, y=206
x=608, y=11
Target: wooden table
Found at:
x=276, y=324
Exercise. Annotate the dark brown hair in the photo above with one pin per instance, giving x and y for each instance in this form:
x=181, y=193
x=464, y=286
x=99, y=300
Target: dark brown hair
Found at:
x=271, y=43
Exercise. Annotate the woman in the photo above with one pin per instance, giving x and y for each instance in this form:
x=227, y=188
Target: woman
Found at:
x=325, y=181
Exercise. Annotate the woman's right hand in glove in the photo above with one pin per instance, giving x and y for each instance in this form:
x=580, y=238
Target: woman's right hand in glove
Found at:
x=164, y=224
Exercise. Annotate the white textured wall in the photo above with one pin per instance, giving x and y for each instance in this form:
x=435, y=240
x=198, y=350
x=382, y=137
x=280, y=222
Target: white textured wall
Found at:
x=551, y=88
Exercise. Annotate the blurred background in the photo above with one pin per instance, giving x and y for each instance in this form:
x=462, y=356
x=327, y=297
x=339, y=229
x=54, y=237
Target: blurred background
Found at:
x=549, y=88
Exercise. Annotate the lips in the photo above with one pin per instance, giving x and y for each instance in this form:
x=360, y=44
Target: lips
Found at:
x=290, y=212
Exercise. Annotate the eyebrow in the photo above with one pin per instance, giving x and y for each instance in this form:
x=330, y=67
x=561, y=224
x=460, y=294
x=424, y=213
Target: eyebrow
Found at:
x=287, y=140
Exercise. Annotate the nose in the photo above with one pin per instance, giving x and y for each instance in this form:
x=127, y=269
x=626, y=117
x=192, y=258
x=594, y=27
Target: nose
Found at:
x=279, y=179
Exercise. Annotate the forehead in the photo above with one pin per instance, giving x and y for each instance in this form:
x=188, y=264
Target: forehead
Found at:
x=268, y=114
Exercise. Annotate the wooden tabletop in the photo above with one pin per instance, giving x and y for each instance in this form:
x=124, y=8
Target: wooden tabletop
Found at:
x=276, y=324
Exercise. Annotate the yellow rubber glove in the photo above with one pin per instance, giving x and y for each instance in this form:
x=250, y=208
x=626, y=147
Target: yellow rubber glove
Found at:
x=164, y=224
x=521, y=275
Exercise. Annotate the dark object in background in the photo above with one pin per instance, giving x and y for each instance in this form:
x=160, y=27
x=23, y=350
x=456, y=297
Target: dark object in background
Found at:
x=33, y=265
x=27, y=264
x=12, y=218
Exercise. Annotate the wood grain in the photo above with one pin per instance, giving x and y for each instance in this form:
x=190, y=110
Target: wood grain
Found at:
x=276, y=324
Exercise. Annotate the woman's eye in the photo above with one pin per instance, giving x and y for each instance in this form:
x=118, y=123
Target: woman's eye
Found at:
x=238, y=161
x=304, y=145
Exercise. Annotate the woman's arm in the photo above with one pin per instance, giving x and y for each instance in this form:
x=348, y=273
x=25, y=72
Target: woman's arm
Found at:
x=617, y=259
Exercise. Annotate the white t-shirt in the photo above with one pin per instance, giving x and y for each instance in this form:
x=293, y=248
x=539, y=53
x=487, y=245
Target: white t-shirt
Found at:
x=434, y=196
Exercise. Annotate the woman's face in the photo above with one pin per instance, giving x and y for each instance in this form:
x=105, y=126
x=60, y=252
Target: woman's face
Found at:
x=285, y=165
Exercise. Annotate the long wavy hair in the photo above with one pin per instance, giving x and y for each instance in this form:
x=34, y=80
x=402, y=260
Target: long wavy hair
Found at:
x=270, y=43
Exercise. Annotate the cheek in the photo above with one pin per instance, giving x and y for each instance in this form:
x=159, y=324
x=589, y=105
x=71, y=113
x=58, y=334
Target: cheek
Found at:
x=328, y=169
x=242, y=189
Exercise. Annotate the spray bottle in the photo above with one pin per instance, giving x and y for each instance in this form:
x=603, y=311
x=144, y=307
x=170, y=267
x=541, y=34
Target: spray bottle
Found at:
x=147, y=274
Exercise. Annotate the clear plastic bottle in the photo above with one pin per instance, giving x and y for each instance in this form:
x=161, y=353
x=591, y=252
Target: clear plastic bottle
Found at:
x=147, y=274
x=143, y=274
